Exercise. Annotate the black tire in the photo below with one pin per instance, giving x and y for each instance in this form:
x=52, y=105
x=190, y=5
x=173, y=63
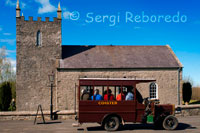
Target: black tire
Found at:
x=111, y=123
x=170, y=123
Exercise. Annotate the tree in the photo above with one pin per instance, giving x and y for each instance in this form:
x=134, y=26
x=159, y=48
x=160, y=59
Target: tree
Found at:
x=6, y=71
x=187, y=92
x=7, y=81
x=189, y=79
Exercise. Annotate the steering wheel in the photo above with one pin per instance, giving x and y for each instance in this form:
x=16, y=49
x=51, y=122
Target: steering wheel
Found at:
x=146, y=101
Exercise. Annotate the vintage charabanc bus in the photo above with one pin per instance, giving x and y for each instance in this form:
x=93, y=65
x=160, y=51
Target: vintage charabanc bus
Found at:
x=114, y=101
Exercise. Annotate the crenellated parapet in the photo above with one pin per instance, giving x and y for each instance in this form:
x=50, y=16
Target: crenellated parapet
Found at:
x=39, y=19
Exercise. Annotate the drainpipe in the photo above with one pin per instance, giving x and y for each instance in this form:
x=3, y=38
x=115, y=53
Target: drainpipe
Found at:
x=178, y=94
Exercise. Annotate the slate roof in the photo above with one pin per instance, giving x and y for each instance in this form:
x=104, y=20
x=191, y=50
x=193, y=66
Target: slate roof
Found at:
x=118, y=57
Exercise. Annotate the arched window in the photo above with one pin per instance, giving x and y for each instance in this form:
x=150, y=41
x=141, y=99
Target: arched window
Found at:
x=153, y=91
x=38, y=39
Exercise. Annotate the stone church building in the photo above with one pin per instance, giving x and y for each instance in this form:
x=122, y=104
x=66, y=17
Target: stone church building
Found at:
x=40, y=52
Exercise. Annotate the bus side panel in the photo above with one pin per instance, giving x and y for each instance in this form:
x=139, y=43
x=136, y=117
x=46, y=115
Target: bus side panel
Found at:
x=140, y=112
x=94, y=111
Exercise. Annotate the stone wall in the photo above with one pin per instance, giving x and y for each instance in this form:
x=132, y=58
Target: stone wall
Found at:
x=189, y=110
x=167, y=80
x=34, y=63
x=30, y=115
x=186, y=110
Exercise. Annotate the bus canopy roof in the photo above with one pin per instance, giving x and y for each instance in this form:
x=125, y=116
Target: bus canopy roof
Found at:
x=113, y=81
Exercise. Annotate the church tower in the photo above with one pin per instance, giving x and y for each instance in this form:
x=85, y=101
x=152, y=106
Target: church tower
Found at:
x=38, y=49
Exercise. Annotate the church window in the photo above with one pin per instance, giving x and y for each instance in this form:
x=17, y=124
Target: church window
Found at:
x=153, y=91
x=39, y=39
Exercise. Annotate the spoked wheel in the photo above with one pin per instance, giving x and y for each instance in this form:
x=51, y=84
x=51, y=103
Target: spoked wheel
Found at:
x=111, y=123
x=170, y=123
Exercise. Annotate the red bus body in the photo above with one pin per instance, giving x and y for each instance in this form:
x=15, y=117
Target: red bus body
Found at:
x=96, y=111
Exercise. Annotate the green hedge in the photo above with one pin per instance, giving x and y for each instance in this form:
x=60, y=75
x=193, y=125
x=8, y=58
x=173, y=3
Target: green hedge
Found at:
x=5, y=95
x=187, y=92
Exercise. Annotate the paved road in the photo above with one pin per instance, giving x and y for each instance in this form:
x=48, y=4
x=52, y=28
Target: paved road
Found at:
x=189, y=124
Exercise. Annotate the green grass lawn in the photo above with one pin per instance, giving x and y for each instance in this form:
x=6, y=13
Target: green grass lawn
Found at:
x=193, y=102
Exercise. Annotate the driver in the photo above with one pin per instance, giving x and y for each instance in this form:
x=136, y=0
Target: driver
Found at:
x=129, y=95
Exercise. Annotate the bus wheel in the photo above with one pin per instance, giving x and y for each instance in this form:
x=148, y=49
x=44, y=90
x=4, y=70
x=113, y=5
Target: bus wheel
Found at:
x=111, y=123
x=170, y=123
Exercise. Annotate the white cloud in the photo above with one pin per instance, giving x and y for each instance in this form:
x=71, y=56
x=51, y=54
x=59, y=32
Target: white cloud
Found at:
x=46, y=6
x=13, y=3
x=10, y=3
x=8, y=41
x=13, y=64
x=11, y=60
x=67, y=14
x=7, y=34
x=23, y=5
x=9, y=52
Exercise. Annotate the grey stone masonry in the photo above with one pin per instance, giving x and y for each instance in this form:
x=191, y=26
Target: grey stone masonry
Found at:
x=35, y=63
x=166, y=80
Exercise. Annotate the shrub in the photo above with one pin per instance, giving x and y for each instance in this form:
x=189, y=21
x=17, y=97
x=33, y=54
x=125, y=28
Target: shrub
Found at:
x=5, y=95
x=187, y=92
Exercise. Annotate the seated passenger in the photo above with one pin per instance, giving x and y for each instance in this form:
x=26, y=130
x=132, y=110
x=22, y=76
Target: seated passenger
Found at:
x=97, y=96
x=85, y=95
x=109, y=95
x=130, y=95
x=120, y=96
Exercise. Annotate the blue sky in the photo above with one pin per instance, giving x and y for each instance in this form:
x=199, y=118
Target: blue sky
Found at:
x=183, y=36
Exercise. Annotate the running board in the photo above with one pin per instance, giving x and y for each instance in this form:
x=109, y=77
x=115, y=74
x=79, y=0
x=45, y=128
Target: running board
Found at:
x=76, y=124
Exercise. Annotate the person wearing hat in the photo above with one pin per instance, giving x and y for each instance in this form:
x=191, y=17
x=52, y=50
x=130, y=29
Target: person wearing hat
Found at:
x=85, y=95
